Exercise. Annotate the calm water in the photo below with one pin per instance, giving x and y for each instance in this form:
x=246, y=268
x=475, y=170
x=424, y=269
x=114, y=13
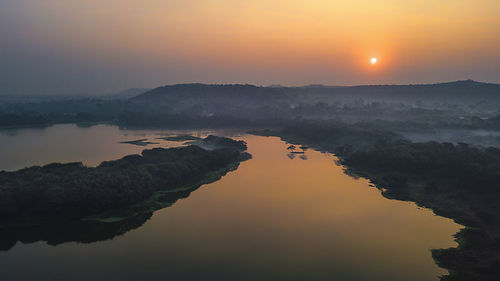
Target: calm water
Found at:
x=275, y=218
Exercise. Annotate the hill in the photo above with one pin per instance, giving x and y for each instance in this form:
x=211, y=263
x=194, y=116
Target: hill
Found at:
x=211, y=92
x=458, y=91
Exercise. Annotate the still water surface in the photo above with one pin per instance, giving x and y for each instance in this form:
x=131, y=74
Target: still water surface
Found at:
x=274, y=218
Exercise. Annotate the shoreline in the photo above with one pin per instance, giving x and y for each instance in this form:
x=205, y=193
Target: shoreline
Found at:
x=475, y=257
x=159, y=199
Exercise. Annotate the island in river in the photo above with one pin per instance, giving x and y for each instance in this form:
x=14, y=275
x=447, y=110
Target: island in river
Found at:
x=117, y=189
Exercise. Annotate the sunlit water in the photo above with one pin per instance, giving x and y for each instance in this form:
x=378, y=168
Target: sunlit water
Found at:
x=274, y=218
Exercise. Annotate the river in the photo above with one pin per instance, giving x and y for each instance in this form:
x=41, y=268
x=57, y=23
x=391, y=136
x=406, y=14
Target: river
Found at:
x=277, y=217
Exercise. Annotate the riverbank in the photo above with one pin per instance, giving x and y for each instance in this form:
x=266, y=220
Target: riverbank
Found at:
x=161, y=199
x=456, y=181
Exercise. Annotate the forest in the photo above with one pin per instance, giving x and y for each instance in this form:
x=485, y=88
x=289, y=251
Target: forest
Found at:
x=72, y=190
x=456, y=104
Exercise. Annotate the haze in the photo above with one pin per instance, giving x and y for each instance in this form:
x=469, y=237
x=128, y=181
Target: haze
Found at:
x=90, y=46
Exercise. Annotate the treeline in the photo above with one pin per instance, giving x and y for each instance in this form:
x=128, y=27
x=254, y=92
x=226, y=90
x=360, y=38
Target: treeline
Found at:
x=234, y=92
x=182, y=121
x=215, y=142
x=18, y=120
x=468, y=167
x=74, y=191
x=330, y=135
x=49, y=112
x=464, y=104
x=41, y=120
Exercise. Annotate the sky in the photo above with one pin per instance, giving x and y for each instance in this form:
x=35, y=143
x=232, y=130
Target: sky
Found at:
x=96, y=46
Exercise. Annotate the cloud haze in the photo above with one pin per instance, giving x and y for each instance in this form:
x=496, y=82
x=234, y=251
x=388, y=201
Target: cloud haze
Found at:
x=92, y=46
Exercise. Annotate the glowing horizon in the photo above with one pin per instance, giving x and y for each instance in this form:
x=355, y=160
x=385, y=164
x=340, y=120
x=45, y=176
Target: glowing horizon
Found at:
x=99, y=46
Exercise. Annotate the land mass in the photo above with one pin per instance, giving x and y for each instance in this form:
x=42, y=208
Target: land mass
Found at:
x=459, y=103
x=115, y=189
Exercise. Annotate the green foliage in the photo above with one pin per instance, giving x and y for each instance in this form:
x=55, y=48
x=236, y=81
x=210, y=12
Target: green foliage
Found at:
x=74, y=191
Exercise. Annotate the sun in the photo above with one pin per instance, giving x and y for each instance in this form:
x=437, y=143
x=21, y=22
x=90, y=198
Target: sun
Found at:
x=373, y=60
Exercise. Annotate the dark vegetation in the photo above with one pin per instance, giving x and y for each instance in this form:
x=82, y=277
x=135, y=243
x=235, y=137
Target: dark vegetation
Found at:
x=461, y=104
x=41, y=113
x=133, y=119
x=140, y=142
x=88, y=231
x=457, y=181
x=456, y=105
x=72, y=191
x=214, y=142
x=180, y=138
x=55, y=233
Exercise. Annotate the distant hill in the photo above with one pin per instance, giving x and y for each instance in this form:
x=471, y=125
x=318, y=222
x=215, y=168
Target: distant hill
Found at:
x=128, y=93
x=458, y=91
x=211, y=92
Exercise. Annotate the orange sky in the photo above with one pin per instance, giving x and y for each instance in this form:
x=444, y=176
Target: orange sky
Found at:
x=113, y=44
